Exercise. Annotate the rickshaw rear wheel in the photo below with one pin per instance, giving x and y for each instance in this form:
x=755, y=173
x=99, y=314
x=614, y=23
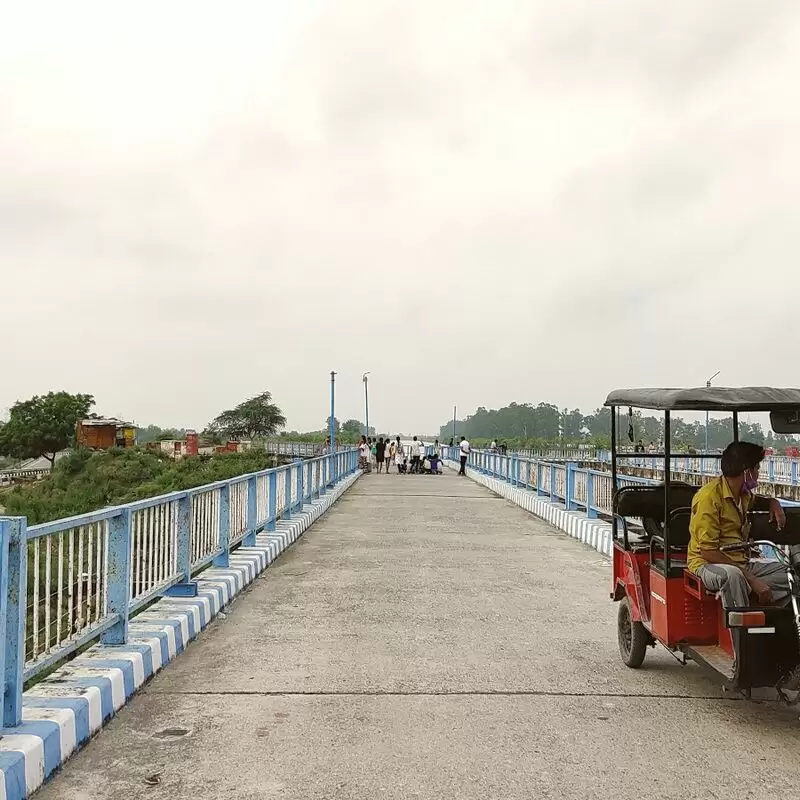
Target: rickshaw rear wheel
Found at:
x=632, y=636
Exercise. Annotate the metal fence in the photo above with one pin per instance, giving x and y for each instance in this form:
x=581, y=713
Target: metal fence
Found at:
x=279, y=447
x=67, y=582
x=579, y=488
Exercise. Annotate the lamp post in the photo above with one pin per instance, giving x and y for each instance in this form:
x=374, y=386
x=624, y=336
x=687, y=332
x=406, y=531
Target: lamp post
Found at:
x=708, y=386
x=454, y=424
x=332, y=422
x=366, y=404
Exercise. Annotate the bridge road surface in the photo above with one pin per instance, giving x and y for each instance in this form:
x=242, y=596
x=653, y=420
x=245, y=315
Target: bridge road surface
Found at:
x=427, y=639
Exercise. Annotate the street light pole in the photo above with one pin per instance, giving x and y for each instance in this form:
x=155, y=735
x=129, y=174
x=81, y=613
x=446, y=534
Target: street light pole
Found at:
x=708, y=386
x=454, y=424
x=366, y=404
x=332, y=421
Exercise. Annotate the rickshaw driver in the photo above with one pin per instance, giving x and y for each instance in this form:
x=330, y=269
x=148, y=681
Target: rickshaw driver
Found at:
x=719, y=517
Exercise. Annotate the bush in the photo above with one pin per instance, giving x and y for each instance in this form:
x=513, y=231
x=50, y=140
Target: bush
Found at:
x=84, y=481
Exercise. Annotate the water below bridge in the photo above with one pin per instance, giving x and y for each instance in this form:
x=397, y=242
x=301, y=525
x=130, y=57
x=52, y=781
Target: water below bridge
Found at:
x=428, y=639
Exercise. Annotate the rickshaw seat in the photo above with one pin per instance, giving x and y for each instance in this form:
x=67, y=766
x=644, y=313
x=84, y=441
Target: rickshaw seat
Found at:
x=678, y=543
x=647, y=503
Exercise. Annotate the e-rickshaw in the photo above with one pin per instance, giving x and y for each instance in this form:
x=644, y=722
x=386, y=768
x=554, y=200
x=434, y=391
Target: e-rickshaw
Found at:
x=661, y=601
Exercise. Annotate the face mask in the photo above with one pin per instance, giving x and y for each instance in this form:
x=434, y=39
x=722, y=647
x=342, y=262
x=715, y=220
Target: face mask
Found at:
x=749, y=483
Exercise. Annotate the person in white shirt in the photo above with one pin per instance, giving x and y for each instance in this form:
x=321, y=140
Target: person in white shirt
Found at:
x=416, y=457
x=422, y=448
x=363, y=453
x=391, y=451
x=464, y=451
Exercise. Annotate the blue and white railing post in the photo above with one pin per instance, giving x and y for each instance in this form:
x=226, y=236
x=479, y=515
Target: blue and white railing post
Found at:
x=591, y=512
x=272, y=501
x=287, y=514
x=119, y=577
x=222, y=559
x=252, y=512
x=14, y=587
x=569, y=485
x=186, y=586
x=552, y=482
x=539, y=476
x=308, y=481
x=794, y=473
x=300, y=484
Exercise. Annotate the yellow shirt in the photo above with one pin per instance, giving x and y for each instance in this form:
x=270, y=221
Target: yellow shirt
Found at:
x=718, y=518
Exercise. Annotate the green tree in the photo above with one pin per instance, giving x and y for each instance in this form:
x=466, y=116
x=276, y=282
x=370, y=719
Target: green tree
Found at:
x=336, y=425
x=353, y=426
x=153, y=433
x=258, y=416
x=43, y=425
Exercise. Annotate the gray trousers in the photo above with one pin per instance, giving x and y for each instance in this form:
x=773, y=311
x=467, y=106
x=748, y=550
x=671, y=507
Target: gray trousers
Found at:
x=734, y=590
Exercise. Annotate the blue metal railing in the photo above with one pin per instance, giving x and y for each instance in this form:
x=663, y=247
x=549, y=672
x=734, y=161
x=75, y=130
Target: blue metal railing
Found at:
x=68, y=582
x=775, y=469
x=579, y=488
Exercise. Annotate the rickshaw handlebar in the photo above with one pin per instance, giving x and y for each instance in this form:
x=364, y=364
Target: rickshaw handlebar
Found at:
x=732, y=548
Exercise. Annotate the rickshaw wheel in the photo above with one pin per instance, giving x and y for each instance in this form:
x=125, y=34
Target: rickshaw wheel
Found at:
x=632, y=636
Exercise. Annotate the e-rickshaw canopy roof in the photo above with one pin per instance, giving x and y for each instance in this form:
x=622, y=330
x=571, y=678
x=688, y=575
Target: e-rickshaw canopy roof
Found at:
x=713, y=398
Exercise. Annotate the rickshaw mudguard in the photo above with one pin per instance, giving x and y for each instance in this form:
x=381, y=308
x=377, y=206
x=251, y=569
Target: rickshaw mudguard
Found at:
x=631, y=571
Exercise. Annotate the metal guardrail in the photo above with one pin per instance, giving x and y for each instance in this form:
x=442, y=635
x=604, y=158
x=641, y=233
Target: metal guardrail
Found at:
x=68, y=582
x=301, y=449
x=579, y=488
x=8, y=476
x=781, y=470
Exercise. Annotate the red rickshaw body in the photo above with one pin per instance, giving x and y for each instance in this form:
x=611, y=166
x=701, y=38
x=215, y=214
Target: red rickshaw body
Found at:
x=676, y=610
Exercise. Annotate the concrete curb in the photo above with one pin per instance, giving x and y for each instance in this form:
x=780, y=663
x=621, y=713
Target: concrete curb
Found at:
x=594, y=532
x=64, y=711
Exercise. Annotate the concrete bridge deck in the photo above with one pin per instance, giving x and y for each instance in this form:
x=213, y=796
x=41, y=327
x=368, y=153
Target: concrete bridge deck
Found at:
x=427, y=639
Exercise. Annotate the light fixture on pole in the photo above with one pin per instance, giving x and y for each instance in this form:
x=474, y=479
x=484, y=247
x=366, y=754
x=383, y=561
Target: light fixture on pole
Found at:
x=708, y=386
x=366, y=404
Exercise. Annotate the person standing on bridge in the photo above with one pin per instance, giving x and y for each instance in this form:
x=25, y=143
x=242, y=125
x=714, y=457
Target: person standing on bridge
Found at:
x=380, y=453
x=400, y=458
x=363, y=453
x=415, y=459
x=464, y=451
x=390, y=453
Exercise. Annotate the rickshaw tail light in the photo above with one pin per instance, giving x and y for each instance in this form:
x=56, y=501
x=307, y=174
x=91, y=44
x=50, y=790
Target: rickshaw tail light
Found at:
x=745, y=619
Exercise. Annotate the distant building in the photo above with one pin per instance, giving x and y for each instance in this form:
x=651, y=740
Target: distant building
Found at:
x=102, y=434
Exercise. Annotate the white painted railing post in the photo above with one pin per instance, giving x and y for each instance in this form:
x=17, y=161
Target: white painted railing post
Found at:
x=591, y=512
x=222, y=559
x=252, y=512
x=14, y=588
x=118, y=577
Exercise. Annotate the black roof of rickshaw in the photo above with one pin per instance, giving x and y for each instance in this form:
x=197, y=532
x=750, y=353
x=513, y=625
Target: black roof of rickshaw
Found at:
x=714, y=398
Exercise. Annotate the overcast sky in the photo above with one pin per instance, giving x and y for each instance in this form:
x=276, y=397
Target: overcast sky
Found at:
x=479, y=202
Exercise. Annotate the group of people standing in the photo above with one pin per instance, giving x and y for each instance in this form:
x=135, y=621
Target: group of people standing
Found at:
x=384, y=453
